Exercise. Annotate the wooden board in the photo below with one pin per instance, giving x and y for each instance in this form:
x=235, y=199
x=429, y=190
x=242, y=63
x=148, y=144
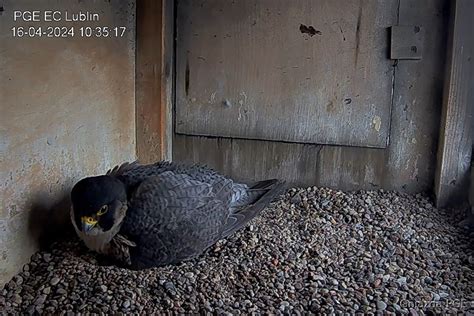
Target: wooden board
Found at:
x=407, y=165
x=455, y=146
x=154, y=78
x=305, y=71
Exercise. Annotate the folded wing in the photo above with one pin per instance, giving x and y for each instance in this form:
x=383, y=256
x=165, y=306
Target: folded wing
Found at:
x=173, y=217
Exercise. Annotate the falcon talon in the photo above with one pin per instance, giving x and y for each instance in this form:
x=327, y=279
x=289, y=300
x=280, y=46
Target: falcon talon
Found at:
x=145, y=216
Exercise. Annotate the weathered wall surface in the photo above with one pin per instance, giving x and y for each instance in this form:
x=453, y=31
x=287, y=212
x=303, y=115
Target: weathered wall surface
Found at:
x=67, y=111
x=409, y=162
x=328, y=88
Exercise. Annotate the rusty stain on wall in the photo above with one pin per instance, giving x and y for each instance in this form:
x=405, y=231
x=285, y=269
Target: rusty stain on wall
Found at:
x=67, y=112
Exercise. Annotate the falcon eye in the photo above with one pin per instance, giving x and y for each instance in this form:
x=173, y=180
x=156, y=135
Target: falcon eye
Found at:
x=103, y=210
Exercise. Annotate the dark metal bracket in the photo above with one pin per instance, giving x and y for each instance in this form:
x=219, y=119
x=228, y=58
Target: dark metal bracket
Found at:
x=406, y=42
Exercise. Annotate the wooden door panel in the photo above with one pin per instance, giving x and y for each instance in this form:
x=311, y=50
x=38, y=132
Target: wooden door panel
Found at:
x=296, y=71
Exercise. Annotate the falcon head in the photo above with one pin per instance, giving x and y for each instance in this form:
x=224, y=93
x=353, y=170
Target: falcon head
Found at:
x=96, y=201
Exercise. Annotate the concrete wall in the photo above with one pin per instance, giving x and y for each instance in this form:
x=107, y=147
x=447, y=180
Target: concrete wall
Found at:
x=67, y=111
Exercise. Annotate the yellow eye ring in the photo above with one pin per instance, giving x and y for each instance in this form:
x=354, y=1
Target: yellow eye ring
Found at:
x=103, y=210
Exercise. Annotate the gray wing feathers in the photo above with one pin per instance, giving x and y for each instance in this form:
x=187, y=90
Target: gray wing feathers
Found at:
x=120, y=169
x=257, y=198
x=177, y=211
x=173, y=217
x=239, y=193
x=135, y=173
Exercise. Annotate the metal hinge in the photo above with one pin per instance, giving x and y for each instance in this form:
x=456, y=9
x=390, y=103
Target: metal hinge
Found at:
x=406, y=42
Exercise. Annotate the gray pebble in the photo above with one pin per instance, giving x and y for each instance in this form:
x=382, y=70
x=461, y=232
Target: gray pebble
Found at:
x=17, y=299
x=401, y=281
x=47, y=257
x=381, y=305
x=54, y=281
x=19, y=280
x=317, y=250
x=40, y=300
x=61, y=291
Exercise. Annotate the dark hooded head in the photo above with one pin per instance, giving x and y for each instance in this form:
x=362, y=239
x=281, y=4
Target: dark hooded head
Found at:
x=96, y=200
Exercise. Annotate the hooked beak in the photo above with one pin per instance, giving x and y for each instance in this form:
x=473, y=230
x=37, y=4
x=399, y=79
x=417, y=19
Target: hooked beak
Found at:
x=88, y=223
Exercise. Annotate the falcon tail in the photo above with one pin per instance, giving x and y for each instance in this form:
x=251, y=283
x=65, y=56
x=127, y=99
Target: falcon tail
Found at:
x=259, y=196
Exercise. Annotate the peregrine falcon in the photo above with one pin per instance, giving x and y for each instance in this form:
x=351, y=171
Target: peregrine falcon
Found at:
x=164, y=213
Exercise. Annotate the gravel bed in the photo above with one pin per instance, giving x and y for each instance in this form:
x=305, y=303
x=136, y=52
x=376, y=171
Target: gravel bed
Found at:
x=316, y=250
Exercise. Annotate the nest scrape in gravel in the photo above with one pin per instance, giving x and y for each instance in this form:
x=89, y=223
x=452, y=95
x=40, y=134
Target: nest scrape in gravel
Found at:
x=316, y=250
